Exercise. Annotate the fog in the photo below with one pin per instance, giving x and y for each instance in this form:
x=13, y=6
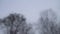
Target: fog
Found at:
x=31, y=9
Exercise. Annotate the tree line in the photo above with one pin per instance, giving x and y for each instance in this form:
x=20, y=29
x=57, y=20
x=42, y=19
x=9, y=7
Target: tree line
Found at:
x=16, y=23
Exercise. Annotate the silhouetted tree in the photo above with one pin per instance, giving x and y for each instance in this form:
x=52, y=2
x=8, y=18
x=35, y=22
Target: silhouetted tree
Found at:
x=48, y=23
x=16, y=23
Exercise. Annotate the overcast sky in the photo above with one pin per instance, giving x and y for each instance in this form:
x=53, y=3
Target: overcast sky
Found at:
x=30, y=8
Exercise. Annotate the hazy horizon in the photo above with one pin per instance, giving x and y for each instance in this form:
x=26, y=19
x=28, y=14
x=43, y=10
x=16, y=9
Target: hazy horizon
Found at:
x=29, y=8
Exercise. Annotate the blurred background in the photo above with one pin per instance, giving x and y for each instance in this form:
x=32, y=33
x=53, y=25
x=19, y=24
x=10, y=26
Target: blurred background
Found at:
x=31, y=9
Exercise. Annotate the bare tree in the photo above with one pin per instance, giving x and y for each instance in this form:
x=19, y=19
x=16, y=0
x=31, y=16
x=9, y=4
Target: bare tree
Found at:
x=48, y=23
x=16, y=23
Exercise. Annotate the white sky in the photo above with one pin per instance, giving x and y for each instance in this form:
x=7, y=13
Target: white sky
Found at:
x=30, y=8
